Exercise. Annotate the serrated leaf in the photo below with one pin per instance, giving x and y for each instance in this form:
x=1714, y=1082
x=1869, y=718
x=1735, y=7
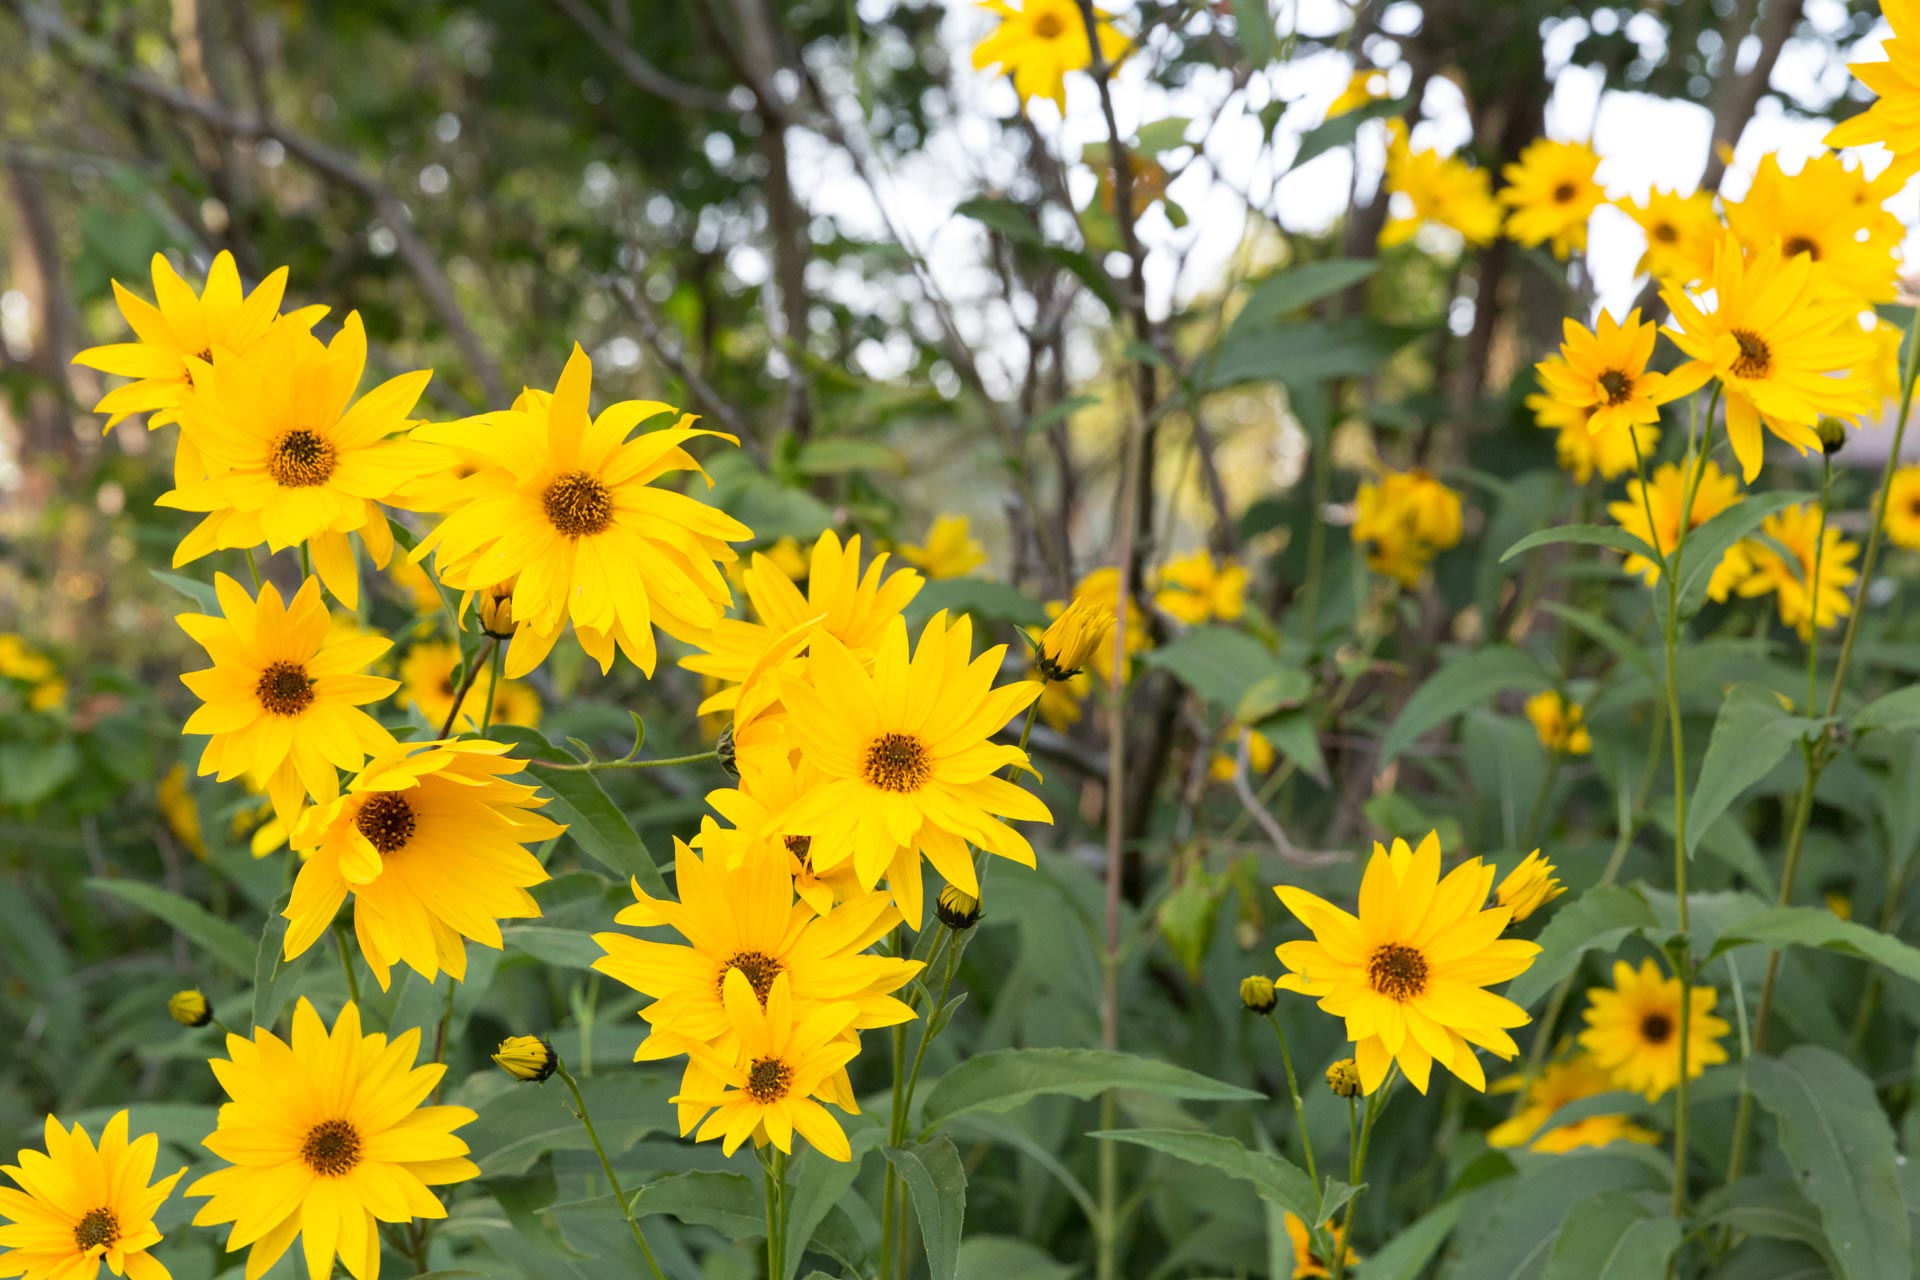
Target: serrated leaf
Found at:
x=1016, y=223
x=1350, y=347
x=1513, y=1235
x=1273, y=297
x=1896, y=712
x=1464, y=682
x=1751, y=735
x=1274, y=1178
x=841, y=455
x=594, y=823
x=1598, y=920
x=730, y=1203
x=1007, y=1078
x=937, y=1183
x=1817, y=927
x=224, y=942
x=1586, y=535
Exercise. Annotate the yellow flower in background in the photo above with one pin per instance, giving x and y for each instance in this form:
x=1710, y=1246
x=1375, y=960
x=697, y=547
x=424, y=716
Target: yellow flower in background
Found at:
x=428, y=841
x=181, y=814
x=1409, y=973
x=1403, y=520
x=1604, y=372
x=565, y=504
x=1039, y=41
x=1364, y=86
x=1633, y=1030
x=1550, y=193
x=785, y=555
x=1580, y=452
x=1071, y=640
x=788, y=1060
x=1680, y=232
x=1894, y=116
x=1666, y=493
x=1903, y=509
x=184, y=327
x=951, y=550
x=21, y=661
x=1260, y=756
x=79, y=1205
x=1528, y=887
x=281, y=703
x=1426, y=188
x=326, y=1139
x=907, y=759
x=1561, y=1084
x=1562, y=725
x=1814, y=213
x=1306, y=1264
x=293, y=458
x=765, y=792
x=1784, y=349
x=1791, y=578
x=427, y=686
x=1195, y=589
x=416, y=586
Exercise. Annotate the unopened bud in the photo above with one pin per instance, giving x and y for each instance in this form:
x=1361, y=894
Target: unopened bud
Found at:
x=723, y=749
x=958, y=911
x=496, y=610
x=1343, y=1077
x=1257, y=994
x=189, y=1008
x=1833, y=435
x=526, y=1058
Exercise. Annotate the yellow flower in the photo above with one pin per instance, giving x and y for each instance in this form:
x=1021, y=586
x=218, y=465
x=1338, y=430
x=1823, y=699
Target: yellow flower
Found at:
x=1403, y=520
x=951, y=550
x=1528, y=887
x=1364, y=86
x=786, y=1061
x=428, y=841
x=1797, y=530
x=1604, y=371
x=1100, y=589
x=1306, y=1265
x=1068, y=644
x=281, y=703
x=1427, y=188
x=1039, y=41
x=292, y=457
x=1561, y=1084
x=189, y=1008
x=326, y=1140
x=21, y=661
x=80, y=1205
x=527, y=1058
x=1903, y=509
x=1814, y=214
x=1783, y=348
x=1665, y=494
x=1551, y=193
x=565, y=504
x=417, y=583
x=1680, y=232
x=1580, y=452
x=764, y=793
x=1343, y=1078
x=181, y=813
x=1194, y=589
x=427, y=686
x=1260, y=756
x=1894, y=116
x=1562, y=725
x=1632, y=1030
x=1409, y=973
x=907, y=759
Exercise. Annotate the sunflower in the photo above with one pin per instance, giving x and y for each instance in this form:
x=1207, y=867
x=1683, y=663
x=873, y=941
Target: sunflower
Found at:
x=1815, y=213
x=293, y=458
x=1790, y=577
x=1561, y=724
x=765, y=792
x=786, y=1061
x=1714, y=492
x=1581, y=453
x=281, y=703
x=951, y=550
x=1604, y=371
x=1680, y=233
x=1560, y=1085
x=565, y=504
x=427, y=685
x=1306, y=1263
x=1783, y=348
x=428, y=841
x=1551, y=192
x=1903, y=509
x=1528, y=887
x=44, y=687
x=1194, y=589
x=1403, y=520
x=326, y=1140
x=1039, y=41
x=1425, y=188
x=1894, y=117
x=907, y=761
x=80, y=1205
x=1631, y=1029
x=1409, y=973
x=181, y=813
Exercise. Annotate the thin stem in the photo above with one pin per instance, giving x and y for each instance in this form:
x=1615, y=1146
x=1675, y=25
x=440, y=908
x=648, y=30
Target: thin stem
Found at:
x=481, y=659
x=773, y=1169
x=346, y=965
x=1317, y=531
x=890, y=1182
x=252, y=568
x=1356, y=1166
x=1299, y=1107
x=440, y=1033
x=662, y=763
x=927, y=1033
x=493, y=686
x=613, y=1180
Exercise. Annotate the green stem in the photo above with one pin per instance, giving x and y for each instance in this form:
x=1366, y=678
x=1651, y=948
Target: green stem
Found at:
x=481, y=659
x=1538, y=809
x=1356, y=1166
x=773, y=1171
x=1317, y=531
x=594, y=765
x=890, y=1182
x=1107, y=1235
x=1299, y=1107
x=346, y=965
x=493, y=686
x=613, y=1180
x=899, y=1131
x=252, y=568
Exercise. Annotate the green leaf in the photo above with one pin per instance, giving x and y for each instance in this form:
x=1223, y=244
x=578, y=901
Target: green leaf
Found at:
x=1343, y=129
x=1464, y=681
x=938, y=1185
x=1836, y=1137
x=1253, y=27
x=1279, y=691
x=1274, y=296
x=1587, y=535
x=224, y=942
x=274, y=977
x=1295, y=736
x=564, y=948
x=1898, y=712
x=1350, y=347
x=1598, y=920
x=1015, y=223
x=1007, y=1078
x=1405, y=1257
x=1274, y=1178
x=815, y=1186
x=1008, y=1258
x=730, y=1203
x=842, y=455
x=1817, y=927
x=1613, y=1236
x=593, y=821
x=521, y=1123
x=1704, y=547
x=985, y=600
x=1751, y=735
x=1612, y=638
x=1222, y=665
x=201, y=593
x=1517, y=1218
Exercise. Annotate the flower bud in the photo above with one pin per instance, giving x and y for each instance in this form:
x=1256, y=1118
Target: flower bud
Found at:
x=958, y=911
x=526, y=1058
x=1070, y=639
x=189, y=1008
x=1833, y=435
x=723, y=749
x=496, y=610
x=1343, y=1077
x=1257, y=994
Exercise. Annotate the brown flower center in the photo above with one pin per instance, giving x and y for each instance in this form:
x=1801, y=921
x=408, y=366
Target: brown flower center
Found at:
x=1049, y=26
x=897, y=762
x=301, y=459
x=1797, y=245
x=332, y=1148
x=386, y=820
x=1756, y=357
x=1656, y=1028
x=761, y=969
x=1666, y=233
x=1563, y=193
x=97, y=1230
x=284, y=689
x=1397, y=971
x=768, y=1080
x=1617, y=385
x=578, y=505
x=801, y=847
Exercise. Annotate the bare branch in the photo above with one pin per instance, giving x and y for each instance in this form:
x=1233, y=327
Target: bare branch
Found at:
x=643, y=74
x=653, y=333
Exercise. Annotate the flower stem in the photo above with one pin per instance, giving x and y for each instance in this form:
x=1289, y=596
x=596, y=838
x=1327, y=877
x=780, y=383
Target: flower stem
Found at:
x=493, y=685
x=1299, y=1107
x=661, y=763
x=613, y=1180
x=1356, y=1165
x=481, y=659
x=346, y=965
x=773, y=1167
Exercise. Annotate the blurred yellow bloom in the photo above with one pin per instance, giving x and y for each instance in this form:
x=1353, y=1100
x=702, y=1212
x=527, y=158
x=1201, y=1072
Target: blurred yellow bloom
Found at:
x=1528, y=887
x=1551, y=192
x=951, y=550
x=1562, y=725
x=1039, y=41
x=1633, y=1030
x=80, y=1205
x=1425, y=187
x=1306, y=1264
x=1603, y=371
x=1797, y=530
x=427, y=685
x=1903, y=509
x=1561, y=1084
x=1194, y=589
x=21, y=661
x=417, y=583
x=1260, y=756
x=1894, y=116
x=1366, y=85
x=1715, y=492
x=1580, y=452
x=181, y=814
x=1814, y=213
x=1680, y=232
x=1403, y=520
